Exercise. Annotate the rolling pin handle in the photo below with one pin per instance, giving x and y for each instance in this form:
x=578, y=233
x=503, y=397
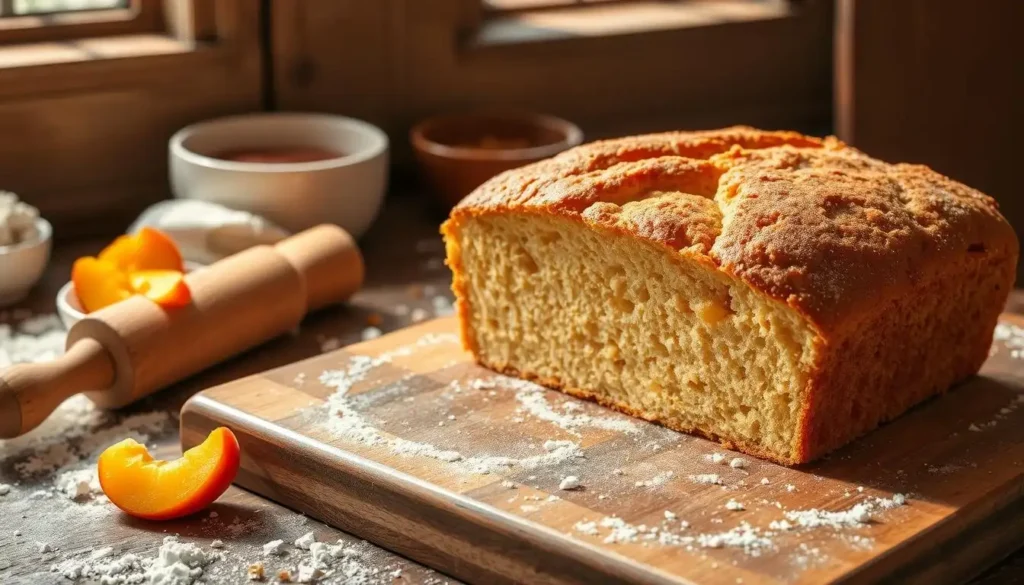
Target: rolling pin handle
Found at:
x=30, y=392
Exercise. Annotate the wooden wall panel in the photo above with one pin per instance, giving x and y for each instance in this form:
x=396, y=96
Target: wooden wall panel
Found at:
x=939, y=82
x=395, y=62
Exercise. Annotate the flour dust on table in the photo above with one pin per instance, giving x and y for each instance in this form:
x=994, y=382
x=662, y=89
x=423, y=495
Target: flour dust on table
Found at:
x=51, y=504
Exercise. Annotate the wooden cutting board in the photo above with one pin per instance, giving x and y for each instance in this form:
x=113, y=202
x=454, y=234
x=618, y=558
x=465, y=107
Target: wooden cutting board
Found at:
x=424, y=452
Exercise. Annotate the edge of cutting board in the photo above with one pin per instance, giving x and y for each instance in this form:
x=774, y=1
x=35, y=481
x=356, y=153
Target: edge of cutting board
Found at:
x=446, y=531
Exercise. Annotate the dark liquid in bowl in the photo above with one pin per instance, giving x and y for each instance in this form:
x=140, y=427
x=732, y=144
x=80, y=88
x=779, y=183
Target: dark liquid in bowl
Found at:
x=279, y=155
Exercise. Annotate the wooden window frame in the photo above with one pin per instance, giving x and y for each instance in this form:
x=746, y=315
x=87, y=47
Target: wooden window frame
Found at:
x=395, y=61
x=84, y=121
x=142, y=16
x=507, y=6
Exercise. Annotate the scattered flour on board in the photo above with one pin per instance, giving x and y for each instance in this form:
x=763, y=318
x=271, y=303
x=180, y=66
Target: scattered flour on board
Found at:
x=656, y=481
x=1003, y=413
x=752, y=540
x=588, y=528
x=346, y=421
x=807, y=556
x=857, y=515
x=738, y=463
x=621, y=531
x=744, y=536
x=533, y=400
x=707, y=478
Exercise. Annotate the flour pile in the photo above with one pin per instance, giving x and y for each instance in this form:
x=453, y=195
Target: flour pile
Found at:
x=176, y=563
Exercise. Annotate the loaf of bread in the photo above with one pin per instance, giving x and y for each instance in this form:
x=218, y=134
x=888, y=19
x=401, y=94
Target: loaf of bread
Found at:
x=779, y=293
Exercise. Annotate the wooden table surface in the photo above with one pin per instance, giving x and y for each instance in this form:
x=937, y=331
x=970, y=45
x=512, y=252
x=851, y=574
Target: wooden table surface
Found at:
x=404, y=272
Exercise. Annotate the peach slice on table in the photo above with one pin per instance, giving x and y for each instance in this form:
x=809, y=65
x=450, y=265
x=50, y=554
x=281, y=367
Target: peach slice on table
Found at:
x=162, y=490
x=149, y=249
x=99, y=283
x=165, y=287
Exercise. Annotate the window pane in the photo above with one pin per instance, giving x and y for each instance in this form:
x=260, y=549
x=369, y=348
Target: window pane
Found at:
x=29, y=7
x=528, y=4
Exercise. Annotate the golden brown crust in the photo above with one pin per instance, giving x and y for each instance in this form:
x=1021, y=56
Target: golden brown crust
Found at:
x=810, y=222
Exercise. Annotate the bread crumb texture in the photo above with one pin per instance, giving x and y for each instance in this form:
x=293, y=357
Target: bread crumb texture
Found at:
x=783, y=294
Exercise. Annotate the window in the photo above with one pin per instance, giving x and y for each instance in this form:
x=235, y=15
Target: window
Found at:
x=518, y=21
x=90, y=91
x=26, y=21
x=511, y=5
x=49, y=7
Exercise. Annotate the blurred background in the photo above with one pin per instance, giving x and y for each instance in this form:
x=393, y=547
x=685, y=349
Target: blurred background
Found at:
x=91, y=90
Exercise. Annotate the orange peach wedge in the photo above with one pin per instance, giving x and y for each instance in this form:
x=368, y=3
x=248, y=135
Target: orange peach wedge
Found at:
x=149, y=249
x=165, y=287
x=99, y=283
x=162, y=490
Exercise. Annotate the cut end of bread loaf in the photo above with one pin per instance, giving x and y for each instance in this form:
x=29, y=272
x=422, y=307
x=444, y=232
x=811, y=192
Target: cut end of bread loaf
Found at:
x=777, y=293
x=613, y=319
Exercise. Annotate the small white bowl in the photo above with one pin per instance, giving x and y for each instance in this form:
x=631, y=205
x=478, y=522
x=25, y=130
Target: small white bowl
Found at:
x=347, y=190
x=23, y=264
x=69, y=308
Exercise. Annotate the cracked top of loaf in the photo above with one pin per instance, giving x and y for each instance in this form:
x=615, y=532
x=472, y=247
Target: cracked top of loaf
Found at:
x=811, y=222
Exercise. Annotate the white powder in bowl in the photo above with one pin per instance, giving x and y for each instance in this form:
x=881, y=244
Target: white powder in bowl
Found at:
x=17, y=220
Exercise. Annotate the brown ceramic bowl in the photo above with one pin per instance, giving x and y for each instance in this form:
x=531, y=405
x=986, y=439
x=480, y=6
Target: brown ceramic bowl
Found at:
x=457, y=153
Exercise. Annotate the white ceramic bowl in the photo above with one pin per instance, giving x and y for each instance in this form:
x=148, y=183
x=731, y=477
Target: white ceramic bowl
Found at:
x=347, y=190
x=22, y=265
x=69, y=308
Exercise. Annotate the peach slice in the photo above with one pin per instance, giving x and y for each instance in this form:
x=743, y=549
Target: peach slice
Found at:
x=162, y=490
x=166, y=287
x=98, y=283
x=149, y=249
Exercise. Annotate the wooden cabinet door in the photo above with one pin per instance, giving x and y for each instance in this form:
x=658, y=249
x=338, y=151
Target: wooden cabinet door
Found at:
x=938, y=82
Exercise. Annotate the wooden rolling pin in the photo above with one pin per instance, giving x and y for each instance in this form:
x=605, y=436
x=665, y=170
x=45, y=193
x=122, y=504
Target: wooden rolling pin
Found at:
x=133, y=348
